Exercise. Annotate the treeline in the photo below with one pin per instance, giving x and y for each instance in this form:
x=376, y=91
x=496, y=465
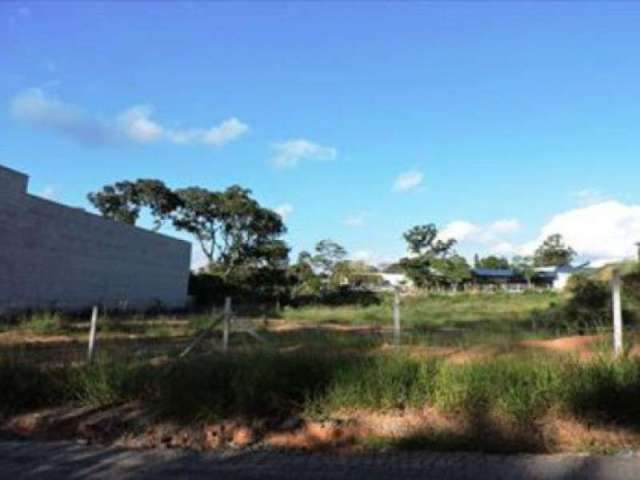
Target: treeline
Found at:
x=246, y=256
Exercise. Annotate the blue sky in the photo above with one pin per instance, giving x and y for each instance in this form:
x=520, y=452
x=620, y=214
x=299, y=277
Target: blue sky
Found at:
x=500, y=122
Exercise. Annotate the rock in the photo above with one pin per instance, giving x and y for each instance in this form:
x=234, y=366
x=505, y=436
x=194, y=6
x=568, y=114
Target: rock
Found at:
x=213, y=437
x=243, y=436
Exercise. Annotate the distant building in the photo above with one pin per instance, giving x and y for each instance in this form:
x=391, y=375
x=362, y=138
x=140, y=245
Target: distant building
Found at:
x=62, y=258
x=498, y=278
x=555, y=277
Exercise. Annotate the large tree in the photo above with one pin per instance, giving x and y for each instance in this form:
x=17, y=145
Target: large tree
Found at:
x=524, y=266
x=123, y=201
x=425, y=248
x=454, y=270
x=492, y=261
x=232, y=228
x=328, y=254
x=553, y=252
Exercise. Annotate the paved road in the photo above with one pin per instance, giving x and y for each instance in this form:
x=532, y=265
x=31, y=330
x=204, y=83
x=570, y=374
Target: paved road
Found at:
x=67, y=460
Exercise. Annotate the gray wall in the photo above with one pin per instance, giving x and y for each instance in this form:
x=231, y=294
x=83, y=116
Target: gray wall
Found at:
x=53, y=256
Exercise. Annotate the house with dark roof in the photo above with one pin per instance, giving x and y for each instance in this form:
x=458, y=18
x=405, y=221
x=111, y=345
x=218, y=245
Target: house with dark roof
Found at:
x=555, y=277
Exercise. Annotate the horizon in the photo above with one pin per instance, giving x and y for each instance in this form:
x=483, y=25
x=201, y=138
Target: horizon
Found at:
x=500, y=123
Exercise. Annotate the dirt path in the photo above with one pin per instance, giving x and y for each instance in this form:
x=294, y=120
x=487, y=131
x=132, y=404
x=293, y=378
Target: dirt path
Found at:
x=67, y=460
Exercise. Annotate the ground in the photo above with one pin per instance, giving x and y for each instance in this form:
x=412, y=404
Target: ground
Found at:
x=67, y=460
x=330, y=378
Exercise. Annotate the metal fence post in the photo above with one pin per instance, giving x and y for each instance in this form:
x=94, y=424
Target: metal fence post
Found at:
x=396, y=317
x=617, y=314
x=92, y=333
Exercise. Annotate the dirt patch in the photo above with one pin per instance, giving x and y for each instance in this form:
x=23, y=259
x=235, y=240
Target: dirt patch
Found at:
x=132, y=426
x=582, y=346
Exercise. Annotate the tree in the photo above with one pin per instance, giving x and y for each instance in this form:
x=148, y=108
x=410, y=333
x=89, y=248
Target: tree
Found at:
x=425, y=248
x=423, y=240
x=525, y=267
x=454, y=269
x=493, y=262
x=553, y=252
x=123, y=201
x=232, y=228
x=327, y=255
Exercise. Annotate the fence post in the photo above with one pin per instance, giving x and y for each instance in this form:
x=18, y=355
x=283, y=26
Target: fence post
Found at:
x=617, y=313
x=92, y=333
x=227, y=324
x=396, y=317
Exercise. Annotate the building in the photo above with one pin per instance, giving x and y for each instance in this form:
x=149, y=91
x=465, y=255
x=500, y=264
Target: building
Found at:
x=498, y=278
x=56, y=257
x=555, y=277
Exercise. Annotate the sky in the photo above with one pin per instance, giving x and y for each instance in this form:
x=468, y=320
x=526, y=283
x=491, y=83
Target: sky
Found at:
x=501, y=122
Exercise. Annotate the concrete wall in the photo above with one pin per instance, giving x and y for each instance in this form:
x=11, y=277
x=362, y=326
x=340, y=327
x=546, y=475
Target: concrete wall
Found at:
x=53, y=256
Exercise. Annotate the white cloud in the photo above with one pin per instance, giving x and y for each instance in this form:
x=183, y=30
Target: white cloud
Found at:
x=408, y=181
x=362, y=256
x=504, y=226
x=226, y=132
x=35, y=108
x=357, y=220
x=284, y=210
x=602, y=231
x=459, y=230
x=489, y=237
x=49, y=192
x=290, y=153
x=589, y=196
x=138, y=126
x=134, y=125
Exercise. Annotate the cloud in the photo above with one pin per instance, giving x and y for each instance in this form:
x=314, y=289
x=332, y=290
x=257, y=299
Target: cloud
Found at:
x=490, y=236
x=362, y=256
x=284, y=210
x=290, y=153
x=138, y=126
x=504, y=226
x=40, y=111
x=357, y=220
x=134, y=125
x=227, y=131
x=408, y=181
x=604, y=230
x=459, y=230
x=589, y=196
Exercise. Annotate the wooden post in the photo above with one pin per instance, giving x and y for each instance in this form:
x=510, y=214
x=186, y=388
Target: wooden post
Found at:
x=617, y=314
x=396, y=317
x=92, y=333
x=227, y=324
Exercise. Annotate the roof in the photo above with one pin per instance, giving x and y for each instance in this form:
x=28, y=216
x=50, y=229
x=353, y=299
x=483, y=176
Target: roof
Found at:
x=494, y=272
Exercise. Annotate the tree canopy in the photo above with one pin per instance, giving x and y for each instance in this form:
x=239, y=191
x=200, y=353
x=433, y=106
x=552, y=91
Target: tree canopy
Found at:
x=233, y=230
x=492, y=261
x=426, y=252
x=553, y=252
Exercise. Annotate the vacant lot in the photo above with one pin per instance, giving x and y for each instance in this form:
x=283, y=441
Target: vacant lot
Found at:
x=473, y=372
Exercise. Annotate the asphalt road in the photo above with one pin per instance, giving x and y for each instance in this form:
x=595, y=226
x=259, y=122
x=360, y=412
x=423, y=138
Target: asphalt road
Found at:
x=68, y=460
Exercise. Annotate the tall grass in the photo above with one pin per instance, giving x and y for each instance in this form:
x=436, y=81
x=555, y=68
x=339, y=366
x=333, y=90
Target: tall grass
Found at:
x=267, y=384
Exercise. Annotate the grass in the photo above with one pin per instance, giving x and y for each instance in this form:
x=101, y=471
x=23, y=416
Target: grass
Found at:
x=320, y=372
x=458, y=320
x=263, y=383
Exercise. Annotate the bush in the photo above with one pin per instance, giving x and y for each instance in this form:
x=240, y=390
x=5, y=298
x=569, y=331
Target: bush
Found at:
x=590, y=302
x=24, y=387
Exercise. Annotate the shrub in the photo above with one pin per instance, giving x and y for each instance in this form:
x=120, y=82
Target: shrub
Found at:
x=590, y=303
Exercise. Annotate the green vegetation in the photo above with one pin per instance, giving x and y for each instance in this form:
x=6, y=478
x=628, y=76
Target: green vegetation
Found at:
x=518, y=390
x=460, y=319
